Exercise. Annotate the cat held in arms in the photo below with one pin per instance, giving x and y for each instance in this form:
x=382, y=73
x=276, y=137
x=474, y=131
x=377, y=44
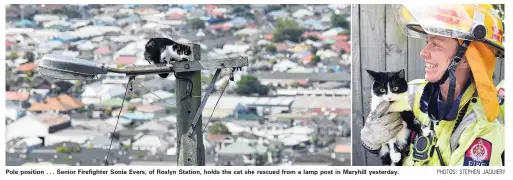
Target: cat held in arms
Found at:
x=165, y=51
x=393, y=87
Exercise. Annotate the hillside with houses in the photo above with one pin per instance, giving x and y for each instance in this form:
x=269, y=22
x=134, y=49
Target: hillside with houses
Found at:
x=290, y=106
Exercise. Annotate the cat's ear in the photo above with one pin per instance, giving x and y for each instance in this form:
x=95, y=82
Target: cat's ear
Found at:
x=400, y=73
x=373, y=74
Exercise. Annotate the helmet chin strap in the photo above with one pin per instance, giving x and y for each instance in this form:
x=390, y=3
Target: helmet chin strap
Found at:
x=450, y=74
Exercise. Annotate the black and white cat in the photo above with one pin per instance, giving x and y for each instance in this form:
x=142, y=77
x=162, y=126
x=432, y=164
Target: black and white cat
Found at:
x=164, y=51
x=393, y=87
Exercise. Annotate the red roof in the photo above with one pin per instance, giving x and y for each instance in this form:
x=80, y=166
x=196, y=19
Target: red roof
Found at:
x=102, y=50
x=149, y=108
x=210, y=7
x=175, y=16
x=217, y=13
x=342, y=149
x=342, y=45
x=62, y=102
x=341, y=111
x=268, y=37
x=27, y=67
x=337, y=37
x=307, y=59
x=312, y=33
x=216, y=26
x=223, y=26
x=16, y=96
x=126, y=60
x=281, y=47
x=217, y=137
x=227, y=27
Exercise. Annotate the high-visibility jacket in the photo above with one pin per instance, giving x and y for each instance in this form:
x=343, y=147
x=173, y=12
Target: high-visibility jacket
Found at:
x=502, y=103
x=475, y=142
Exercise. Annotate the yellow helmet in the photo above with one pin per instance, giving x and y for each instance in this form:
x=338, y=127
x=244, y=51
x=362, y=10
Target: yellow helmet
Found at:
x=474, y=22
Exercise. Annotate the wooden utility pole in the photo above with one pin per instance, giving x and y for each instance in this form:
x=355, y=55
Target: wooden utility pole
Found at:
x=192, y=154
x=191, y=151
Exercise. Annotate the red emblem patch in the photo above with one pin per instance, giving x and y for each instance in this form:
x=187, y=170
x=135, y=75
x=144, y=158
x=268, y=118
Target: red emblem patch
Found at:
x=479, y=153
x=500, y=92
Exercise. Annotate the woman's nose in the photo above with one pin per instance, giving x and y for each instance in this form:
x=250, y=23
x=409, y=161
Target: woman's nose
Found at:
x=425, y=52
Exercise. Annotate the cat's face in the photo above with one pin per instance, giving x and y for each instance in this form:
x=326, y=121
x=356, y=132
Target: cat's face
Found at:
x=387, y=86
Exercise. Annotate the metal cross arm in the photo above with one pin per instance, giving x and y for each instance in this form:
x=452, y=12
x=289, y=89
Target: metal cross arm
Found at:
x=210, y=64
x=71, y=68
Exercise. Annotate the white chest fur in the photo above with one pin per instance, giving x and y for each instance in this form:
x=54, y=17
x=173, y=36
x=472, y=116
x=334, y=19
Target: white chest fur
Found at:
x=170, y=55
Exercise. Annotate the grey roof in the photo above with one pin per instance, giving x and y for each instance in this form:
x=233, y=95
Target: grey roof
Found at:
x=318, y=159
x=156, y=84
x=155, y=126
x=300, y=76
x=331, y=85
x=324, y=123
x=86, y=156
x=248, y=135
x=267, y=101
x=104, y=141
x=239, y=148
x=94, y=157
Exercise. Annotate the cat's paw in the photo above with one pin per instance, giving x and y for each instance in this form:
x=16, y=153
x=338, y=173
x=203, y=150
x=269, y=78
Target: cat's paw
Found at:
x=396, y=157
x=426, y=131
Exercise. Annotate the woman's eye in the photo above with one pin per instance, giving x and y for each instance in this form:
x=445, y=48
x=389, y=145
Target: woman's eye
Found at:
x=395, y=88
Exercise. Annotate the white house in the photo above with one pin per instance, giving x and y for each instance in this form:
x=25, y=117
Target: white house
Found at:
x=96, y=94
x=157, y=96
x=37, y=126
x=75, y=135
x=153, y=143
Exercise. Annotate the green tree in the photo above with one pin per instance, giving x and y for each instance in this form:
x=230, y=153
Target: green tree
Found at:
x=238, y=10
x=140, y=155
x=219, y=128
x=90, y=113
x=339, y=21
x=270, y=48
x=314, y=139
x=197, y=23
x=313, y=38
x=62, y=149
x=272, y=61
x=13, y=55
x=70, y=12
x=273, y=7
x=29, y=56
x=249, y=84
x=315, y=60
x=76, y=149
x=287, y=29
